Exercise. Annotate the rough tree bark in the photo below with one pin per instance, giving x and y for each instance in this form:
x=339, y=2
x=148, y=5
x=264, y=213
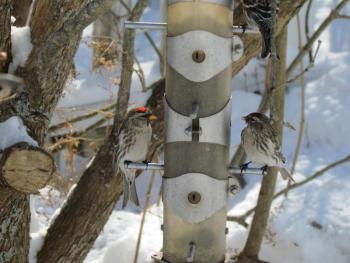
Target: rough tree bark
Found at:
x=21, y=11
x=259, y=224
x=5, y=34
x=45, y=74
x=108, y=35
x=82, y=218
x=14, y=206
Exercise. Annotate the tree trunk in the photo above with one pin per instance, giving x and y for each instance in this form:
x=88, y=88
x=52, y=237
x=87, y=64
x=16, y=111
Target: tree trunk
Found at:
x=14, y=216
x=88, y=208
x=14, y=221
x=21, y=11
x=107, y=36
x=45, y=74
x=260, y=220
x=5, y=35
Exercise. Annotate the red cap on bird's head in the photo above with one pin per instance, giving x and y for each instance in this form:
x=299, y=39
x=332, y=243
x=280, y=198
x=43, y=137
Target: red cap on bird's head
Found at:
x=141, y=109
x=145, y=112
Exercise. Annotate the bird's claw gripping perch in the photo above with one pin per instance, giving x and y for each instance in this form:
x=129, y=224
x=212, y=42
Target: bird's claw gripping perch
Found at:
x=244, y=28
x=264, y=169
x=244, y=167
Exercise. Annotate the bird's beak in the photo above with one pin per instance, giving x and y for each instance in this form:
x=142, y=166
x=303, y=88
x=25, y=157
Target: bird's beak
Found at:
x=152, y=117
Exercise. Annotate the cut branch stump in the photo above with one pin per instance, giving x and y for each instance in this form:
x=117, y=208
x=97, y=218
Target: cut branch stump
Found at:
x=26, y=168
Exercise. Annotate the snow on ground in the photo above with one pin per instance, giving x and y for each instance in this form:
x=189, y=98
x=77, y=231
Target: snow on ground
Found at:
x=292, y=235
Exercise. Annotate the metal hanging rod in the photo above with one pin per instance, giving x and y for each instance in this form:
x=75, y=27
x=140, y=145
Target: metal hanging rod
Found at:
x=144, y=166
x=160, y=166
x=247, y=30
x=248, y=171
x=145, y=25
x=164, y=26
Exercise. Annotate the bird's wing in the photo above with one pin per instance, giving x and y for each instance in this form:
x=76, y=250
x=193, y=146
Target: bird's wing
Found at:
x=117, y=152
x=274, y=144
x=242, y=135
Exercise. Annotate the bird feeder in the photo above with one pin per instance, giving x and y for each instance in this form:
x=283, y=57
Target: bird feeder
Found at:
x=200, y=50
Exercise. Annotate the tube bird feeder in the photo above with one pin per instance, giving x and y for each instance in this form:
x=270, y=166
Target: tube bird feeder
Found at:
x=198, y=122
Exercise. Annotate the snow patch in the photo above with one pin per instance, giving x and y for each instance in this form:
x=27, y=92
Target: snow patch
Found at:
x=21, y=46
x=13, y=131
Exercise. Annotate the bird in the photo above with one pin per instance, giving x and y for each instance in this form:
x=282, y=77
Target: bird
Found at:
x=259, y=13
x=134, y=139
x=261, y=144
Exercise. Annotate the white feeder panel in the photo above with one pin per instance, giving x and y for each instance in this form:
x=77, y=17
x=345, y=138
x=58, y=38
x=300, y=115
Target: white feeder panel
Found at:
x=181, y=48
x=213, y=194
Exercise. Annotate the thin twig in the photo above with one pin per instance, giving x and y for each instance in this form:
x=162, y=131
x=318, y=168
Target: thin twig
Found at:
x=154, y=45
x=66, y=140
x=307, y=29
x=302, y=106
x=314, y=176
x=311, y=65
x=81, y=118
x=296, y=185
x=274, y=60
x=332, y=15
x=92, y=127
x=343, y=16
x=144, y=212
x=147, y=35
x=140, y=74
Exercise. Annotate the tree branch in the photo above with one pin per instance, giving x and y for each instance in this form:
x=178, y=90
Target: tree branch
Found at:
x=288, y=9
x=99, y=188
x=307, y=29
x=340, y=16
x=333, y=15
x=92, y=114
x=74, y=26
x=276, y=96
x=295, y=186
x=302, y=105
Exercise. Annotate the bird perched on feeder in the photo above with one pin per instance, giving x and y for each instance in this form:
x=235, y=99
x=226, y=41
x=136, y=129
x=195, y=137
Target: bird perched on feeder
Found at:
x=134, y=139
x=259, y=13
x=260, y=142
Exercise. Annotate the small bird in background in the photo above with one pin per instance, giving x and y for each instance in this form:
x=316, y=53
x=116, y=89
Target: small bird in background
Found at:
x=134, y=140
x=261, y=144
x=259, y=13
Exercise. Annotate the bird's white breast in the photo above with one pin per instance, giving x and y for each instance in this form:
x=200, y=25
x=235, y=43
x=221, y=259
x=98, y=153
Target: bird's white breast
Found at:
x=259, y=157
x=138, y=151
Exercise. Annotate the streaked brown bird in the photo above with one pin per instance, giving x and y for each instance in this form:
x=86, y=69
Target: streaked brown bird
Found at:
x=259, y=13
x=261, y=144
x=134, y=140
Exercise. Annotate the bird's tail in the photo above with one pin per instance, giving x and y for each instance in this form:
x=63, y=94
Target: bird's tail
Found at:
x=126, y=191
x=133, y=194
x=285, y=174
x=266, y=43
